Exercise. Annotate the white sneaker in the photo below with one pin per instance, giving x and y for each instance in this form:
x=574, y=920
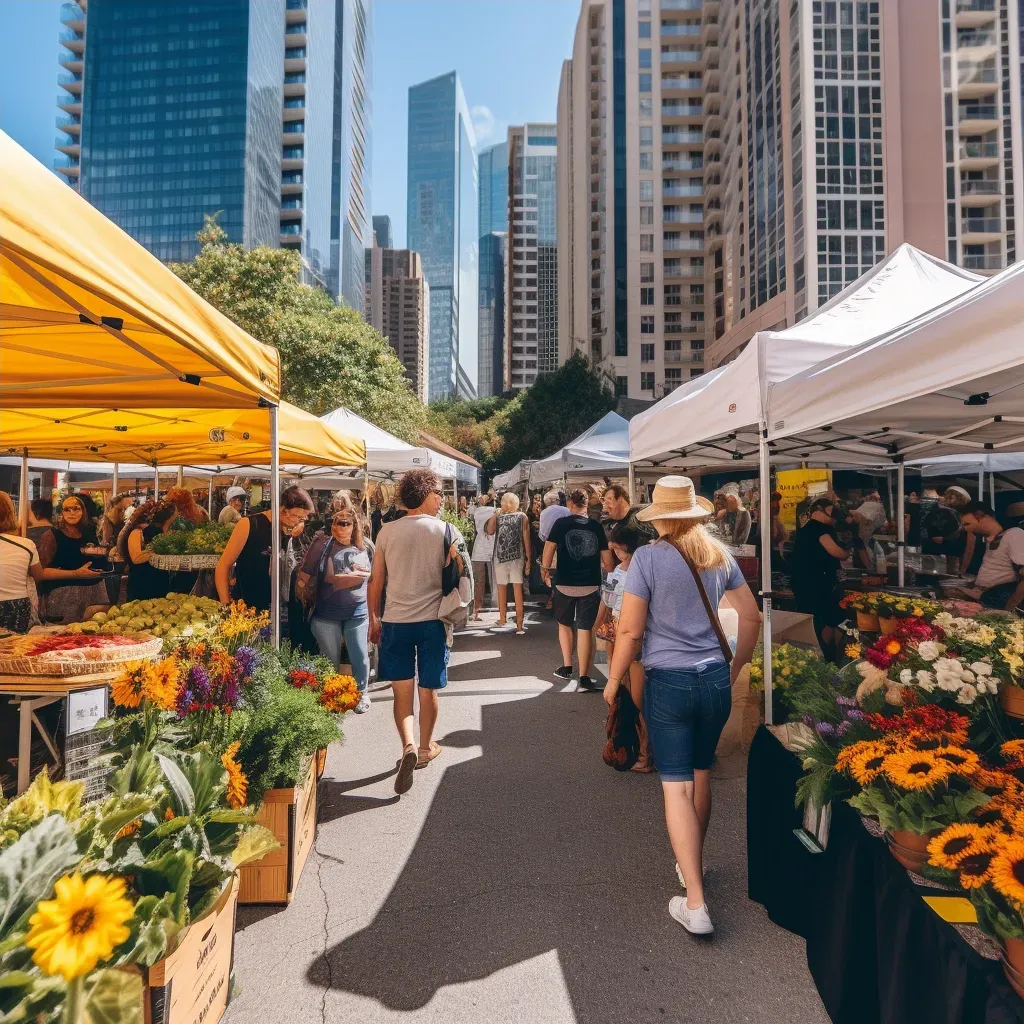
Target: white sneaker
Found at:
x=696, y=922
x=679, y=874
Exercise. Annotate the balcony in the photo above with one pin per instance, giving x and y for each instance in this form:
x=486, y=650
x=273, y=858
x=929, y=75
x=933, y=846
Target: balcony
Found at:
x=988, y=261
x=294, y=52
x=72, y=81
x=681, y=191
x=681, y=5
x=975, y=155
x=690, y=327
x=977, y=118
x=296, y=5
x=670, y=138
x=976, y=46
x=679, y=82
x=675, y=358
x=683, y=244
x=678, y=55
x=293, y=133
x=984, y=192
x=673, y=272
x=292, y=158
x=298, y=103
x=978, y=230
x=72, y=15
x=73, y=40
x=976, y=80
x=682, y=165
x=972, y=13
x=673, y=28
x=682, y=217
x=71, y=124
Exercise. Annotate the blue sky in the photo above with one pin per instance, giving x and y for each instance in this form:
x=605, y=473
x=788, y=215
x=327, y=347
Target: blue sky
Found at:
x=508, y=54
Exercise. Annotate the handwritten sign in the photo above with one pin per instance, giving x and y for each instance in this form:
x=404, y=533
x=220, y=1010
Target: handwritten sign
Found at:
x=86, y=708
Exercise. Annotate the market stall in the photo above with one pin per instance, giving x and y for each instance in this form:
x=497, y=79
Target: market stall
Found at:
x=602, y=450
x=513, y=478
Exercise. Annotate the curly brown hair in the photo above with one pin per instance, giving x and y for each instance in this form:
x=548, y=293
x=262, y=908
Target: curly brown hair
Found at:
x=416, y=486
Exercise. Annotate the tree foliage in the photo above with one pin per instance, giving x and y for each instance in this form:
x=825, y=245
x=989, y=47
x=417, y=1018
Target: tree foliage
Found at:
x=558, y=407
x=471, y=426
x=330, y=356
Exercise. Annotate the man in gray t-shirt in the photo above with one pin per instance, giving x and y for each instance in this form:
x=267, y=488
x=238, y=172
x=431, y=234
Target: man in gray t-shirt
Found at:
x=412, y=639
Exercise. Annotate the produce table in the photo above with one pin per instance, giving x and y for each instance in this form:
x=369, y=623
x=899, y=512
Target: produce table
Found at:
x=31, y=693
x=876, y=950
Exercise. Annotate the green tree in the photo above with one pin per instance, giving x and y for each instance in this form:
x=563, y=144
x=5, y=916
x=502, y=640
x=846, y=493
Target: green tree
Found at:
x=330, y=356
x=558, y=407
x=471, y=426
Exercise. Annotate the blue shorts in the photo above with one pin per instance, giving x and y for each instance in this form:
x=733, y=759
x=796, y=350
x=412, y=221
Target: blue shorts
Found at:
x=406, y=645
x=686, y=711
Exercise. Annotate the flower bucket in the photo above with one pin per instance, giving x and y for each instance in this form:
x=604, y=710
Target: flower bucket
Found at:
x=867, y=622
x=887, y=626
x=909, y=848
x=1012, y=700
x=1013, y=964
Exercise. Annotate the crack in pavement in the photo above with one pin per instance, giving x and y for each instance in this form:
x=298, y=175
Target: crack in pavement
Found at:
x=320, y=861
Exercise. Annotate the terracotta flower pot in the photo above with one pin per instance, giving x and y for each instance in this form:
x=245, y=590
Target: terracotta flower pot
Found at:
x=867, y=622
x=887, y=626
x=1013, y=964
x=1012, y=700
x=909, y=848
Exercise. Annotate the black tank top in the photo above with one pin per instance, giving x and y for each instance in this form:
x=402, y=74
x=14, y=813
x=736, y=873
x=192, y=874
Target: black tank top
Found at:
x=252, y=569
x=68, y=555
x=144, y=580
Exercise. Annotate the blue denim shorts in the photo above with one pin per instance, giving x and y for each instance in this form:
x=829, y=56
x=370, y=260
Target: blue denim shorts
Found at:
x=686, y=711
x=406, y=646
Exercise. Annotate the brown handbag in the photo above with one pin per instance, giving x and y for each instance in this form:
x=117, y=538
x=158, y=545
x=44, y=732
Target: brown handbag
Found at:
x=723, y=641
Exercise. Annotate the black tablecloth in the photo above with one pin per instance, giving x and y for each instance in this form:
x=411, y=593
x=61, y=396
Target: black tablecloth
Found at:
x=876, y=950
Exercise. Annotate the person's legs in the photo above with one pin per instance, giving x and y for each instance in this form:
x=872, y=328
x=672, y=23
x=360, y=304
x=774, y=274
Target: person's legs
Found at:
x=428, y=716
x=479, y=577
x=565, y=643
x=517, y=590
x=432, y=658
x=403, y=690
x=502, y=603
x=586, y=615
x=702, y=802
x=397, y=664
x=327, y=634
x=584, y=650
x=686, y=837
x=356, y=633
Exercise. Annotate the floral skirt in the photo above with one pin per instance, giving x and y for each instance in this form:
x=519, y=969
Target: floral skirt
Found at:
x=68, y=603
x=16, y=615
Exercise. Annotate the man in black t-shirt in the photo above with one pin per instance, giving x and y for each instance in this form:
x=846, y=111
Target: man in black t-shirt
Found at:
x=617, y=509
x=582, y=549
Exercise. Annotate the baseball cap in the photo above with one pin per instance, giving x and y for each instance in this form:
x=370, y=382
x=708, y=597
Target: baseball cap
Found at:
x=236, y=492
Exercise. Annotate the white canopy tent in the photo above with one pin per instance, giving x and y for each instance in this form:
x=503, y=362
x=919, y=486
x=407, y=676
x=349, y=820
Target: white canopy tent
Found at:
x=516, y=476
x=602, y=448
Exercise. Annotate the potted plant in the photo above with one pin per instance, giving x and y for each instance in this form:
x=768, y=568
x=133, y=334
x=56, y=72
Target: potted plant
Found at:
x=864, y=606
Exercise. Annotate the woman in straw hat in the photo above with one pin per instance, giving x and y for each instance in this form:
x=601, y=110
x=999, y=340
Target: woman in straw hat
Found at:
x=669, y=610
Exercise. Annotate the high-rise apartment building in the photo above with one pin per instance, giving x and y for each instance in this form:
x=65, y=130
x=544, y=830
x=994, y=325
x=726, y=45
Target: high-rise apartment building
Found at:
x=493, y=226
x=398, y=305
x=442, y=227
x=727, y=166
x=259, y=109
x=847, y=129
x=382, y=231
x=531, y=283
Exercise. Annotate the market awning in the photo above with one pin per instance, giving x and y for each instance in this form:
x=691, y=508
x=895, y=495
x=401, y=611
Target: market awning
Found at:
x=200, y=437
x=88, y=317
x=601, y=448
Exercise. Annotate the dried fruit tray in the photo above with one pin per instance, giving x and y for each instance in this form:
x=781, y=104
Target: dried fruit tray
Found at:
x=66, y=654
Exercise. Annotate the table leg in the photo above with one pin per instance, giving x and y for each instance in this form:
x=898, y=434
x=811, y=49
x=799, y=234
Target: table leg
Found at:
x=24, y=745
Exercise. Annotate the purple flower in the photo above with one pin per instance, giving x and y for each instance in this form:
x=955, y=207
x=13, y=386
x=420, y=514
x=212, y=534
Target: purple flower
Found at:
x=843, y=727
x=825, y=730
x=247, y=659
x=231, y=693
x=198, y=679
x=265, y=633
x=854, y=715
x=185, y=699
x=846, y=702
x=808, y=721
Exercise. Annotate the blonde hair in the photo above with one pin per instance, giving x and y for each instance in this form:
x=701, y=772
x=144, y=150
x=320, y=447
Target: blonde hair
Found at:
x=510, y=502
x=694, y=541
x=8, y=520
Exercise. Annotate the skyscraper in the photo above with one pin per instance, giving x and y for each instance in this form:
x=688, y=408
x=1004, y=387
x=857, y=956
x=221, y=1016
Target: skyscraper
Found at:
x=493, y=165
x=256, y=108
x=531, y=285
x=382, y=231
x=764, y=156
x=442, y=228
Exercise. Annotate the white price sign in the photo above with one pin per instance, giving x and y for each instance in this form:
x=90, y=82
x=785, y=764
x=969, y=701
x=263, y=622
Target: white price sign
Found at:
x=85, y=709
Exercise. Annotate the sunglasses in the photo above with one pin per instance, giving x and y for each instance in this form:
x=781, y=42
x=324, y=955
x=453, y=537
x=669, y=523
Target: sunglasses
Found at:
x=439, y=493
x=343, y=522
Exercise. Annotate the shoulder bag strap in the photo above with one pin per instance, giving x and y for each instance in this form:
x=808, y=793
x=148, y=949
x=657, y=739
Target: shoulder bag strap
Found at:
x=21, y=547
x=712, y=613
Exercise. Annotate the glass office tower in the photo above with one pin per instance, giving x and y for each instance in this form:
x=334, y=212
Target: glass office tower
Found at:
x=493, y=165
x=442, y=228
x=182, y=118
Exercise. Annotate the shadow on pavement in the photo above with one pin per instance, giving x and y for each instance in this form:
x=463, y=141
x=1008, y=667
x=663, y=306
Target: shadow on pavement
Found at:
x=536, y=846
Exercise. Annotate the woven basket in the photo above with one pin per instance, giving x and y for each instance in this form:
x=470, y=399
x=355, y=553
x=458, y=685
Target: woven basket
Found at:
x=21, y=665
x=184, y=563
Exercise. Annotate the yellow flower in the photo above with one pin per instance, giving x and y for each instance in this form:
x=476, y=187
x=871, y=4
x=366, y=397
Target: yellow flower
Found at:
x=916, y=769
x=238, y=784
x=867, y=766
x=339, y=693
x=127, y=687
x=83, y=925
x=1008, y=870
x=958, y=842
x=918, y=612
x=160, y=683
x=853, y=650
x=976, y=869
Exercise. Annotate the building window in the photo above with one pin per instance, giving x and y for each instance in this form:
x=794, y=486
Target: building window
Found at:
x=673, y=378
x=621, y=387
x=646, y=191
x=643, y=30
x=647, y=325
x=646, y=161
x=647, y=243
x=646, y=106
x=644, y=60
x=646, y=135
x=646, y=215
x=647, y=380
x=645, y=83
x=646, y=296
x=646, y=271
x=647, y=353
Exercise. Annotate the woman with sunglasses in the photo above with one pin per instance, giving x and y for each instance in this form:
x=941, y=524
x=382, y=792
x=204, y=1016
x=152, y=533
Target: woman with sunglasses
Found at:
x=249, y=551
x=340, y=612
x=74, y=590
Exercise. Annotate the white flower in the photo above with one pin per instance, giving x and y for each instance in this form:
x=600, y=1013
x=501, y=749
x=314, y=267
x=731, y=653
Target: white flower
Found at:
x=944, y=620
x=948, y=665
x=967, y=676
x=967, y=694
x=981, y=668
x=926, y=680
x=906, y=677
x=929, y=650
x=982, y=687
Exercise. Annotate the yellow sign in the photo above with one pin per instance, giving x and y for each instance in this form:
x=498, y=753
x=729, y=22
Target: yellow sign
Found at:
x=797, y=484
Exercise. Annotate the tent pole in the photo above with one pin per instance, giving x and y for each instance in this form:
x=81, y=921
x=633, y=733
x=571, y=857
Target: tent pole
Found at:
x=275, y=533
x=366, y=500
x=455, y=490
x=981, y=485
x=901, y=525
x=766, y=568
x=156, y=481
x=181, y=476
x=632, y=483
x=892, y=502
x=209, y=498
x=23, y=493
x=114, y=482
x=992, y=490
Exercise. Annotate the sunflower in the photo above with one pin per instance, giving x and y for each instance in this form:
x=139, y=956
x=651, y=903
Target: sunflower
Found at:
x=238, y=784
x=956, y=843
x=81, y=926
x=846, y=756
x=916, y=769
x=1008, y=870
x=976, y=868
x=127, y=687
x=964, y=762
x=853, y=650
x=1013, y=751
x=867, y=766
x=160, y=684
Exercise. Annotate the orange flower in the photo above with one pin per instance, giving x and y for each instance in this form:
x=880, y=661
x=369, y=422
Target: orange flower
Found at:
x=893, y=647
x=238, y=784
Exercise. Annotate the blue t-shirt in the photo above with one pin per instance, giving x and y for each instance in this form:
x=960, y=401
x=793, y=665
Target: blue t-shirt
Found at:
x=679, y=633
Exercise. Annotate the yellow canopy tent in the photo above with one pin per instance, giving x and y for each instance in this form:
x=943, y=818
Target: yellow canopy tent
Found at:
x=196, y=437
x=88, y=317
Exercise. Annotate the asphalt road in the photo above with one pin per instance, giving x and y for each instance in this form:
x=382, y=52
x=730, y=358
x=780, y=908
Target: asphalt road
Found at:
x=521, y=880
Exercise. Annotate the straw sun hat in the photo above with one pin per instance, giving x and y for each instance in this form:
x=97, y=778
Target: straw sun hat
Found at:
x=676, y=498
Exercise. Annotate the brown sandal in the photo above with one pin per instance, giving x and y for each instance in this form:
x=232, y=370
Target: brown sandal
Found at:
x=426, y=756
x=406, y=766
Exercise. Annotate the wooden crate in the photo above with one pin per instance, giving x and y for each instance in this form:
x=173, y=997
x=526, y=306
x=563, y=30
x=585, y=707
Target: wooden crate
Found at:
x=193, y=984
x=291, y=815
